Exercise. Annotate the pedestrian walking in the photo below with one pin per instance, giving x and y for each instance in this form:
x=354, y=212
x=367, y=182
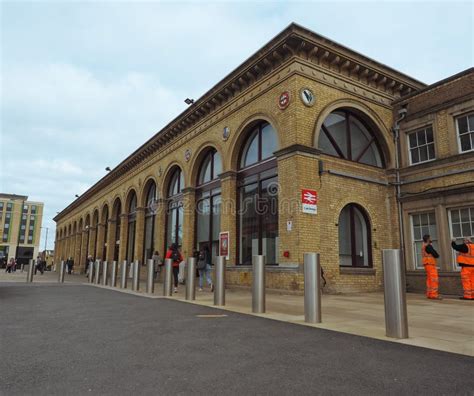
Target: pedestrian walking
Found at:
x=14, y=264
x=157, y=264
x=70, y=265
x=428, y=258
x=204, y=268
x=465, y=259
x=176, y=257
x=10, y=265
x=89, y=264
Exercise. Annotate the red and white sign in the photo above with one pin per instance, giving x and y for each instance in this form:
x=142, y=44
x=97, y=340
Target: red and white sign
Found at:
x=224, y=244
x=284, y=100
x=309, y=201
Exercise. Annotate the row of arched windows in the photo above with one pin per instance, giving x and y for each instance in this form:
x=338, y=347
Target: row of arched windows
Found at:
x=343, y=134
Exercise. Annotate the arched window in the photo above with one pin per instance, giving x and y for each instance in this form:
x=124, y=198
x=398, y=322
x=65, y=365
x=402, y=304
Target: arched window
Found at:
x=355, y=246
x=208, y=203
x=345, y=135
x=105, y=222
x=95, y=221
x=258, y=196
x=132, y=217
x=117, y=211
x=88, y=229
x=150, y=203
x=174, y=218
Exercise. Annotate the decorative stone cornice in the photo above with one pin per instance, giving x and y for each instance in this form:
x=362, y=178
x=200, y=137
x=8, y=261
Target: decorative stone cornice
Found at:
x=295, y=42
x=189, y=190
x=297, y=149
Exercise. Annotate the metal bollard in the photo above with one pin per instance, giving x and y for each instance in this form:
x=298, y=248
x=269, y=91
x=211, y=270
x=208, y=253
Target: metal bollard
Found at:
x=123, y=275
x=91, y=272
x=396, y=322
x=97, y=272
x=150, y=281
x=31, y=271
x=167, y=278
x=312, y=288
x=22, y=267
x=104, y=273
x=113, y=274
x=219, y=281
x=191, y=279
x=258, y=284
x=62, y=271
x=136, y=275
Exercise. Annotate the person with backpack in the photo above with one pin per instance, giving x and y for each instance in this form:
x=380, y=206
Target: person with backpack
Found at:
x=176, y=257
x=204, y=267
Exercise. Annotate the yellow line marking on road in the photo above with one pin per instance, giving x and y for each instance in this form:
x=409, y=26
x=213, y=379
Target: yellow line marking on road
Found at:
x=210, y=316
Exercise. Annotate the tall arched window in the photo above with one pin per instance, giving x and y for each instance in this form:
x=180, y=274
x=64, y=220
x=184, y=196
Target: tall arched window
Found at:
x=132, y=217
x=117, y=211
x=346, y=135
x=105, y=222
x=258, y=196
x=208, y=203
x=355, y=246
x=88, y=229
x=150, y=203
x=174, y=218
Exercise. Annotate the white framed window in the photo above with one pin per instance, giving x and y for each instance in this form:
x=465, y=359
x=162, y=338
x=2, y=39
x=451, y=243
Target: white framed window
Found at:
x=461, y=225
x=465, y=132
x=422, y=224
x=421, y=146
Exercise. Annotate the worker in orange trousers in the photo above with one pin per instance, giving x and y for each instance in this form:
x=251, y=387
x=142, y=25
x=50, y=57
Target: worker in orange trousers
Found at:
x=428, y=258
x=465, y=260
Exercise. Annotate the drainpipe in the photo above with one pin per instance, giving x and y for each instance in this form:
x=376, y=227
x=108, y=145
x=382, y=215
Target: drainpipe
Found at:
x=396, y=138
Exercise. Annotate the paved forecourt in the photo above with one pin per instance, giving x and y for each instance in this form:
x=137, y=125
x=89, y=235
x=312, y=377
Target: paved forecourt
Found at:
x=77, y=339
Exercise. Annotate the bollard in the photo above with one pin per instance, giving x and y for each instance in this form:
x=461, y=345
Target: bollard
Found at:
x=396, y=322
x=31, y=271
x=22, y=268
x=104, y=273
x=219, y=281
x=113, y=274
x=191, y=279
x=136, y=275
x=312, y=288
x=62, y=271
x=167, y=279
x=258, y=284
x=123, y=275
x=97, y=272
x=150, y=281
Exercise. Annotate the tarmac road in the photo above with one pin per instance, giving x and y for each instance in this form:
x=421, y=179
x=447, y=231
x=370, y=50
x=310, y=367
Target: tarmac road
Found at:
x=78, y=339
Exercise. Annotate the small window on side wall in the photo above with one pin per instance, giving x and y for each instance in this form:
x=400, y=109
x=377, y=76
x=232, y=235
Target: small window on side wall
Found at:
x=421, y=146
x=465, y=132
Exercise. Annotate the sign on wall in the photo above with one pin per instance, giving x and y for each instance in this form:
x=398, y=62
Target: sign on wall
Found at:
x=224, y=244
x=309, y=201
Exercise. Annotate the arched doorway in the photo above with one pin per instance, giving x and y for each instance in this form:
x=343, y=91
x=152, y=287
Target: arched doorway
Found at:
x=174, y=213
x=105, y=224
x=116, y=212
x=347, y=134
x=258, y=195
x=132, y=218
x=150, y=214
x=208, y=202
x=355, y=245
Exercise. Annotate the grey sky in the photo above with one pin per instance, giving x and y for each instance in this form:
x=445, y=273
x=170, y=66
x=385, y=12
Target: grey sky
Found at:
x=83, y=84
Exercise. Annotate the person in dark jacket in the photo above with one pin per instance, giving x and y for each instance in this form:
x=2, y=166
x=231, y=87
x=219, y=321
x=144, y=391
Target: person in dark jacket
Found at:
x=428, y=258
x=465, y=260
x=174, y=254
x=204, y=267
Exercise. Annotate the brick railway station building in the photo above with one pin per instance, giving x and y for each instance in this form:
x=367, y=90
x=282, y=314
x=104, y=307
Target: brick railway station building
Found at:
x=389, y=157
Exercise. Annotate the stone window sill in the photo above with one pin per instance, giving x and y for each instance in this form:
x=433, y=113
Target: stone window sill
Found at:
x=356, y=271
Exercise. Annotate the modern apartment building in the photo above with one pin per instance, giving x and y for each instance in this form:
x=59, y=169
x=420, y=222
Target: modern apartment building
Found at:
x=20, y=227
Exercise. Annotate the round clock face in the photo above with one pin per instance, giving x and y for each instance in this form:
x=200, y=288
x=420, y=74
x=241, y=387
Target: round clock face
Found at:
x=307, y=97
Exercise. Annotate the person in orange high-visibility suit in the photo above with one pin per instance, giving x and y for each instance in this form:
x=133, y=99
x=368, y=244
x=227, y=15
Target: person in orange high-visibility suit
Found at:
x=465, y=260
x=428, y=258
